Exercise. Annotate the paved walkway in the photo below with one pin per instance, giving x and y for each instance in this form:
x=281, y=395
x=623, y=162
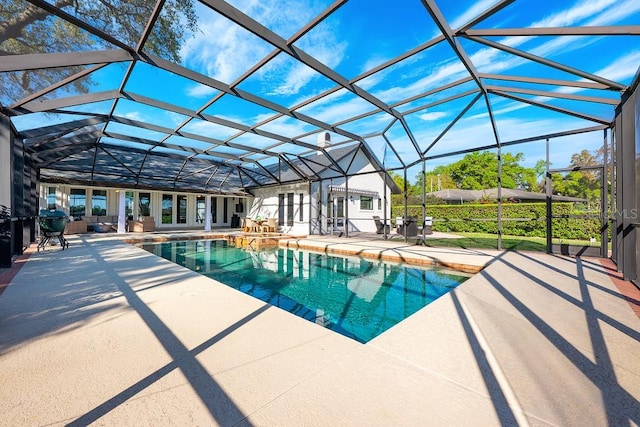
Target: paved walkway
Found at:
x=107, y=333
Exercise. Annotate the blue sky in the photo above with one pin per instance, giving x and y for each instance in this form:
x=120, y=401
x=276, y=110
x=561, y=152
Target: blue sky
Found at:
x=362, y=34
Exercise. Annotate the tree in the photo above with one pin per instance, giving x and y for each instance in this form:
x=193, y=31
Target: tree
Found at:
x=436, y=179
x=399, y=181
x=479, y=170
x=583, y=159
x=584, y=184
x=27, y=29
x=576, y=184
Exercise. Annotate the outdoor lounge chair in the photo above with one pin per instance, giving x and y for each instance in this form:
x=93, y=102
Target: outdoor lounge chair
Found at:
x=380, y=227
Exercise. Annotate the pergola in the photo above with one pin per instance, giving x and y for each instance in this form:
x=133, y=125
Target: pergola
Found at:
x=109, y=108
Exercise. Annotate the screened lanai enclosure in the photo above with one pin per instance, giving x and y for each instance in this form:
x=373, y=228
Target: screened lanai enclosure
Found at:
x=215, y=97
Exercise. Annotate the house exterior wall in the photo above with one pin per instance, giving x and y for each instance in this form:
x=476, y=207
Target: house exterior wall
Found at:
x=193, y=221
x=360, y=218
x=266, y=204
x=359, y=212
x=320, y=201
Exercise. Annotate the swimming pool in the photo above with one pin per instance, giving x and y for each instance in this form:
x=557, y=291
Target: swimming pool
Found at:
x=354, y=297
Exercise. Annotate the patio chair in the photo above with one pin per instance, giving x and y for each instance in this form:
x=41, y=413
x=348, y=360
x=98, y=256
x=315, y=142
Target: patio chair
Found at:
x=380, y=227
x=407, y=225
x=249, y=225
x=428, y=225
x=272, y=225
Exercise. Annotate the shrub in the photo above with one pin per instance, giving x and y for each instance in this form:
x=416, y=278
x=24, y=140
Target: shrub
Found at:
x=518, y=219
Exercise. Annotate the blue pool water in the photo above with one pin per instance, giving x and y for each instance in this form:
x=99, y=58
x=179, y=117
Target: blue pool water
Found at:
x=354, y=297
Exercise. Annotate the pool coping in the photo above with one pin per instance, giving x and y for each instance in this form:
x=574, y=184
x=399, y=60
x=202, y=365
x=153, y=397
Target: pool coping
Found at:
x=378, y=250
x=392, y=254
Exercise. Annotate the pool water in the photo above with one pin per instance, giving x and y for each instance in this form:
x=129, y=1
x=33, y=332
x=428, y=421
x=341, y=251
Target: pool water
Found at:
x=354, y=297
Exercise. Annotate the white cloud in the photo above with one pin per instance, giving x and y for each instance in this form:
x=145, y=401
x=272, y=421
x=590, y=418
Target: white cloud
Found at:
x=290, y=76
x=476, y=9
x=225, y=51
x=295, y=78
x=591, y=13
x=201, y=91
x=623, y=68
x=580, y=11
x=134, y=115
x=490, y=60
x=617, y=11
x=337, y=107
x=286, y=126
x=213, y=130
x=444, y=72
x=428, y=117
x=220, y=48
x=174, y=118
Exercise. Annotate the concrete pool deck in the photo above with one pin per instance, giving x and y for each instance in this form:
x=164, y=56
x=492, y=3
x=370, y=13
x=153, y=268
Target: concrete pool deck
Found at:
x=107, y=333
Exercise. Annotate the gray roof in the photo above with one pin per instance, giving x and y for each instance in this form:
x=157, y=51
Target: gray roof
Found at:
x=459, y=195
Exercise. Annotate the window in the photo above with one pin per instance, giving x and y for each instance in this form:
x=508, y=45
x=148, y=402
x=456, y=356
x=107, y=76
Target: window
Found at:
x=290, y=209
x=280, y=209
x=51, y=198
x=200, y=209
x=182, y=209
x=380, y=204
x=128, y=204
x=214, y=210
x=366, y=203
x=144, y=204
x=225, y=209
x=167, y=209
x=77, y=203
x=300, y=212
x=99, y=202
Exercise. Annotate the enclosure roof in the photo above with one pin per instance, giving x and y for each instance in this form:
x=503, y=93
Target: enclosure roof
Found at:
x=222, y=97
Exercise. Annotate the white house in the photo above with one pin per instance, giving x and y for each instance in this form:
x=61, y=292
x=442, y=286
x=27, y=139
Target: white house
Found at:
x=350, y=192
x=347, y=190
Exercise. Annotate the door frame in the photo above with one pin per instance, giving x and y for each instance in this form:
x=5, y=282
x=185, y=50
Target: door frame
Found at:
x=565, y=249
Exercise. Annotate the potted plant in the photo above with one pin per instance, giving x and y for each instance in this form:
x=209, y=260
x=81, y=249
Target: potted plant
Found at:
x=5, y=236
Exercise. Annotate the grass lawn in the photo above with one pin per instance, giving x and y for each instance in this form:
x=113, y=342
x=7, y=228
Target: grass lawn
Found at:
x=490, y=241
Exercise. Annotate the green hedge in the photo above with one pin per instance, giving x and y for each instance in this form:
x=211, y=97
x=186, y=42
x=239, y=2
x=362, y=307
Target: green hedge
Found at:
x=518, y=219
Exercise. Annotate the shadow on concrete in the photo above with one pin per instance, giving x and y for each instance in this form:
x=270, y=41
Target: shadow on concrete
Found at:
x=218, y=403
x=496, y=392
x=62, y=299
x=621, y=408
